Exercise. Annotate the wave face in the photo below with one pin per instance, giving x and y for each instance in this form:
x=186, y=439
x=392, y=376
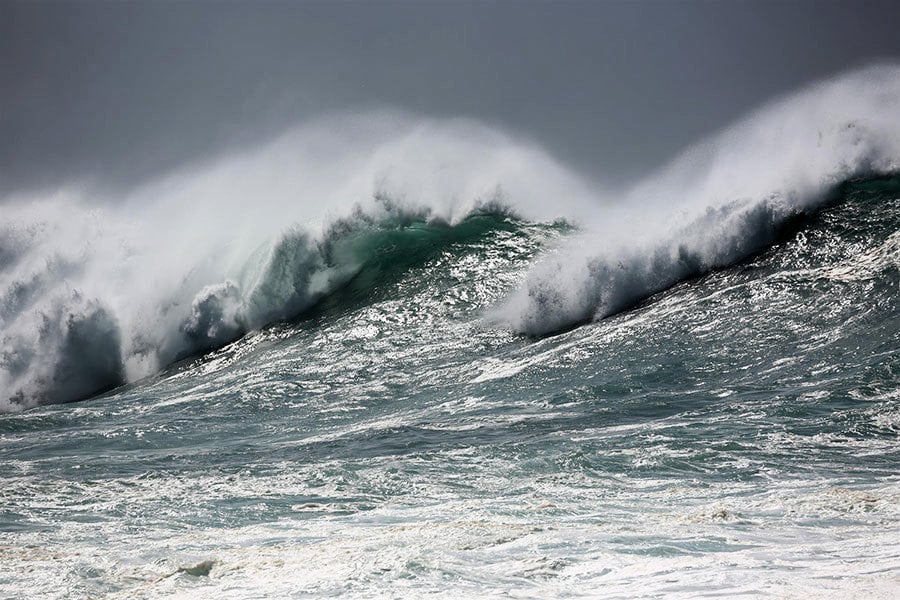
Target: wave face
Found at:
x=100, y=288
x=718, y=203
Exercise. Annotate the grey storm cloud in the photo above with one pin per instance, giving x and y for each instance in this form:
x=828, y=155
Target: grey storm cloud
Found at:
x=121, y=91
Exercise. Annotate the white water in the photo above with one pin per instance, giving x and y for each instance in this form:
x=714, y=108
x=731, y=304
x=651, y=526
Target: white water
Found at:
x=96, y=289
x=718, y=202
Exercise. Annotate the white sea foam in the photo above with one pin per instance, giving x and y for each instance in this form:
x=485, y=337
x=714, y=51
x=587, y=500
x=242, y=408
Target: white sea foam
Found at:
x=717, y=203
x=100, y=288
x=97, y=288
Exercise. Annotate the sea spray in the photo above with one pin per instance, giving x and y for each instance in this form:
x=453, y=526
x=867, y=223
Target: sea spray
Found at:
x=716, y=204
x=195, y=259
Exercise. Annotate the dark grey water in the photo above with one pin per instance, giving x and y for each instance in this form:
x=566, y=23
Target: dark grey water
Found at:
x=735, y=434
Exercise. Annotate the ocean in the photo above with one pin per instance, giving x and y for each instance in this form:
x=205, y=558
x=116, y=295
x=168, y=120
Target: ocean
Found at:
x=387, y=356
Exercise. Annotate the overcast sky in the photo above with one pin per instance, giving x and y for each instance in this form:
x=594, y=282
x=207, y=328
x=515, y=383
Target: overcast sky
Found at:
x=120, y=91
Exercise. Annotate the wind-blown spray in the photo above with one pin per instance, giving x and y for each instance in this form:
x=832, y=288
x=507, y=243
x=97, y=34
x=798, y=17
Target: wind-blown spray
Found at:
x=97, y=291
x=717, y=203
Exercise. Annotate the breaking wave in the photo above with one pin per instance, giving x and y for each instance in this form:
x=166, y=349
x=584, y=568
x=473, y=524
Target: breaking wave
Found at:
x=100, y=288
x=718, y=203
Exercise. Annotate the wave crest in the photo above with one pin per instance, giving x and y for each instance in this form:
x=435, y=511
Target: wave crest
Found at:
x=716, y=204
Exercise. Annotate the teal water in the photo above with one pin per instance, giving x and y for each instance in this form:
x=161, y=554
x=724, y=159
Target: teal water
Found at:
x=734, y=435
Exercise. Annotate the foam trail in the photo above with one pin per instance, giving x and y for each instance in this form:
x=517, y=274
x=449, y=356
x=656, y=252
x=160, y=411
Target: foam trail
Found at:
x=717, y=203
x=96, y=291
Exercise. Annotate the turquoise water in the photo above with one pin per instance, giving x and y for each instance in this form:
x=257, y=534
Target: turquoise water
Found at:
x=734, y=434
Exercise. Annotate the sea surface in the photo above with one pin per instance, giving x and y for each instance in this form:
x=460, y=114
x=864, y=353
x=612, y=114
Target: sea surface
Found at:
x=482, y=406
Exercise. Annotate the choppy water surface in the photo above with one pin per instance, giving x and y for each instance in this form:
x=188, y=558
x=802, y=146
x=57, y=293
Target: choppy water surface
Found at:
x=736, y=434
